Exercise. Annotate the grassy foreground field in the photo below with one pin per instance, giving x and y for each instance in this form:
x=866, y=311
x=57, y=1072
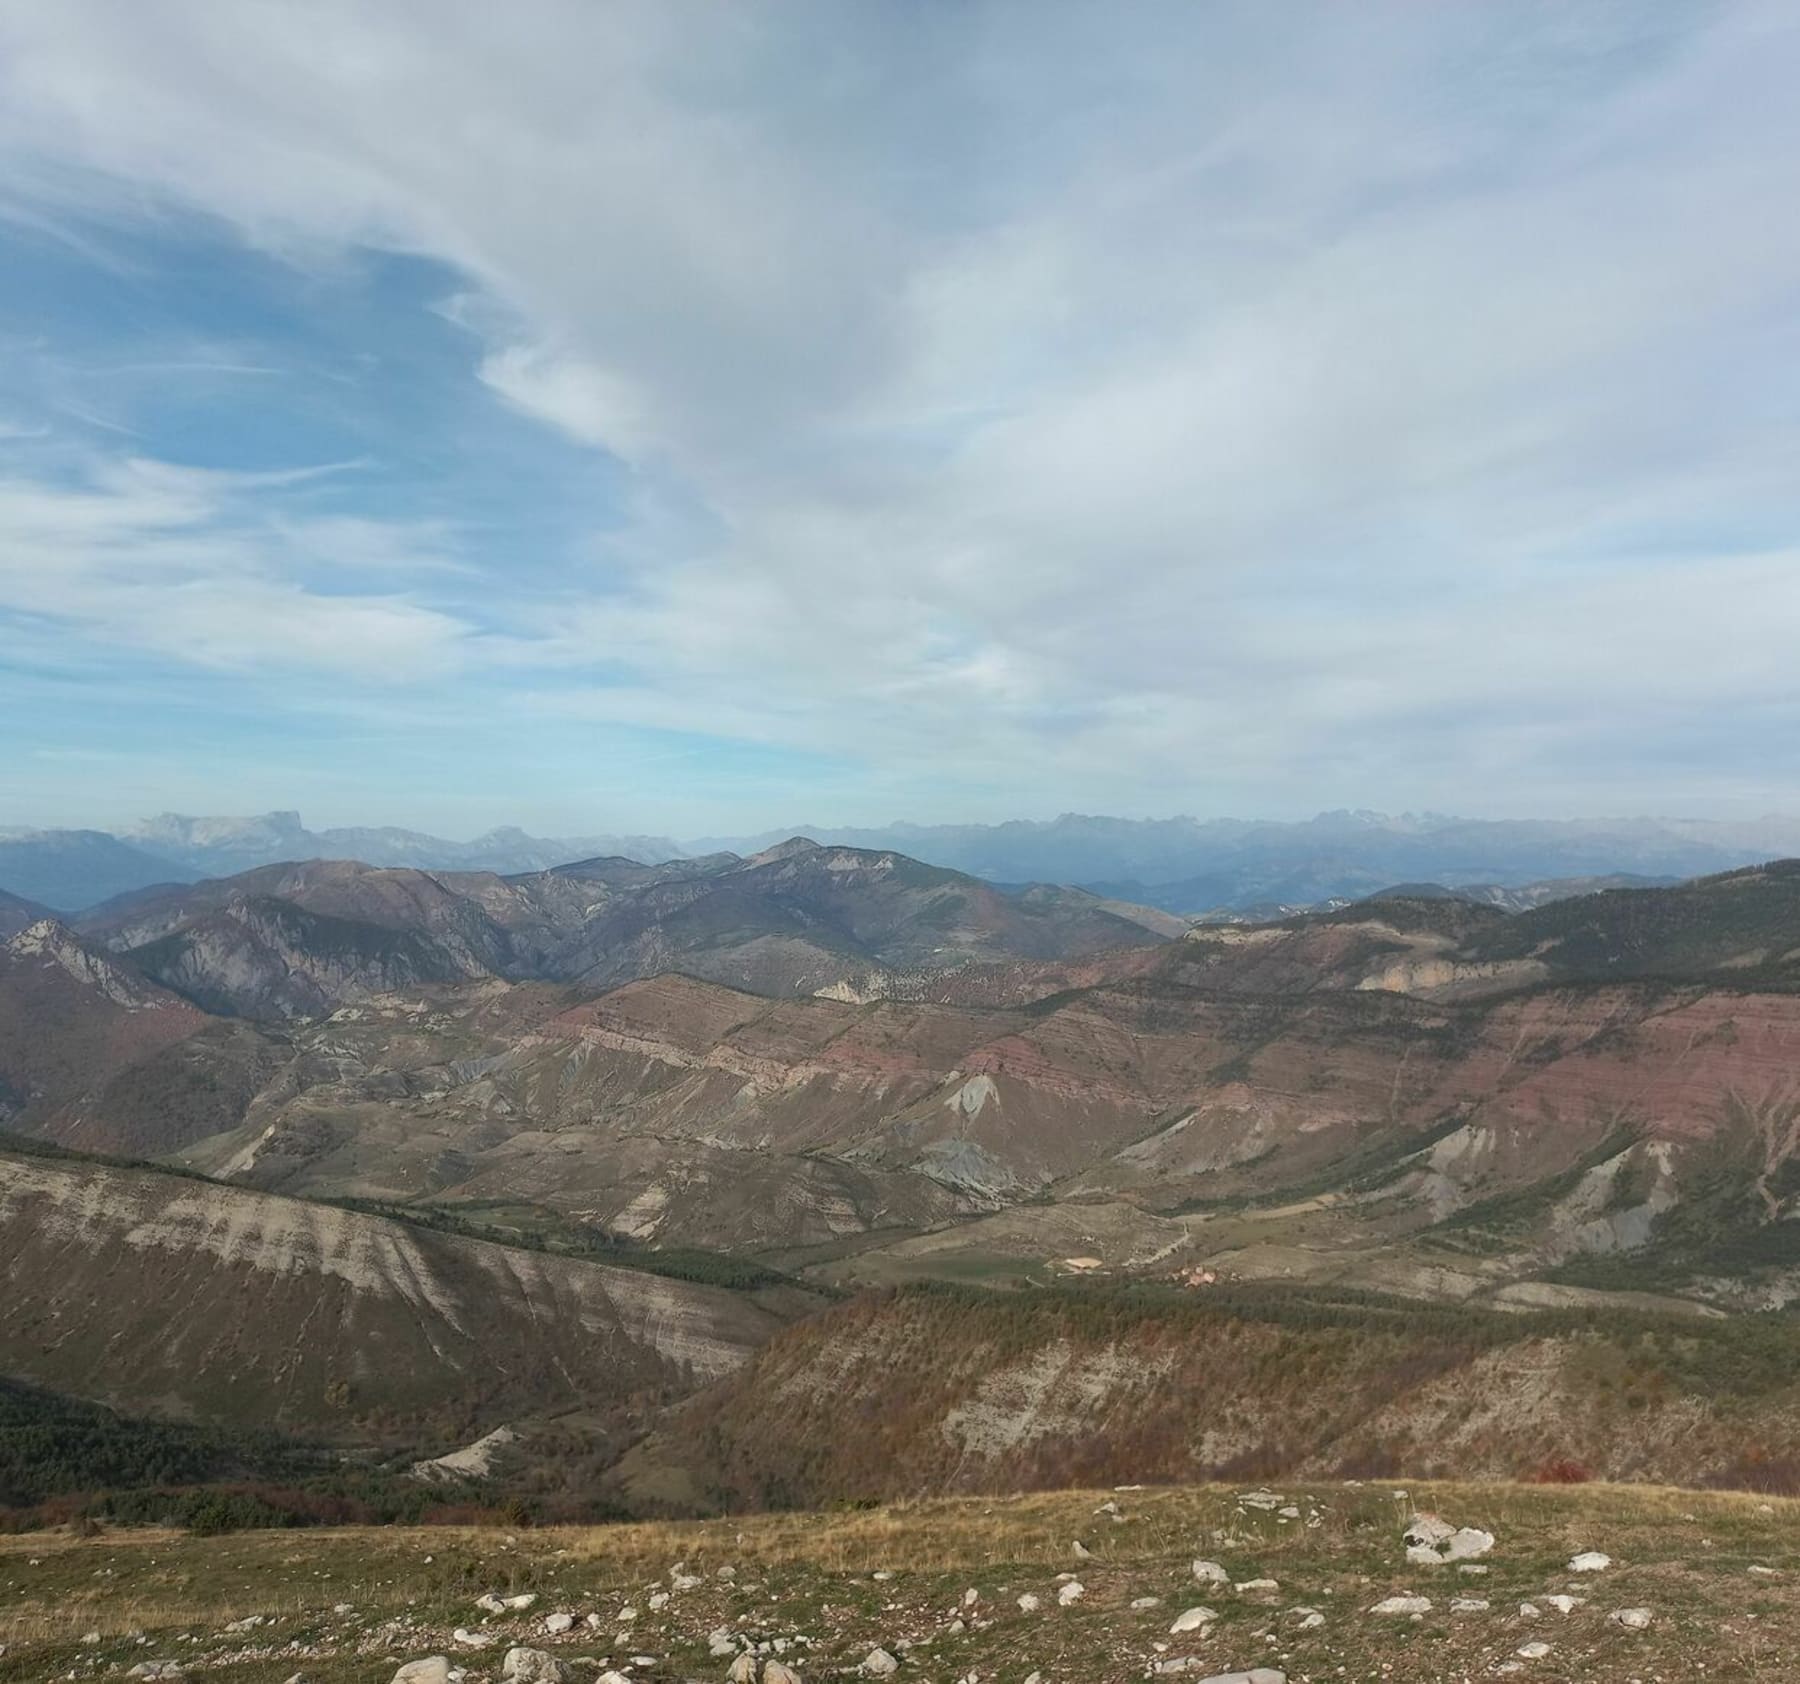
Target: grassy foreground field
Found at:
x=937, y=1584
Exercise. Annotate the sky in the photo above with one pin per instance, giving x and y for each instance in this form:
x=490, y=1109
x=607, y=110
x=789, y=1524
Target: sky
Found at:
x=695, y=417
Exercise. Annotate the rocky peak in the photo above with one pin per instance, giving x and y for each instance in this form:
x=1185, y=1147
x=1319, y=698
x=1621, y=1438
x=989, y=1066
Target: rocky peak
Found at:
x=50, y=941
x=785, y=850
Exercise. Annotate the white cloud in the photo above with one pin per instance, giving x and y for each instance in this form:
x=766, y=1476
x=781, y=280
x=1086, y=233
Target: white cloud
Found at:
x=1207, y=396
x=143, y=555
x=585, y=402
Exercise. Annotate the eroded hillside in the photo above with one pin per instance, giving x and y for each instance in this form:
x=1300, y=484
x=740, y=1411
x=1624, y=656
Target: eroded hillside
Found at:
x=934, y=1389
x=170, y=1295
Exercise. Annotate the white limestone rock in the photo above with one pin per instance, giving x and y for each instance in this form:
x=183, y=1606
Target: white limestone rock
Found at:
x=1192, y=1619
x=1402, y=1605
x=433, y=1669
x=535, y=1666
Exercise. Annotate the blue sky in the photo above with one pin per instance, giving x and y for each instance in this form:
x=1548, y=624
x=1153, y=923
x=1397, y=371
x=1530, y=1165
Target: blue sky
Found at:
x=681, y=418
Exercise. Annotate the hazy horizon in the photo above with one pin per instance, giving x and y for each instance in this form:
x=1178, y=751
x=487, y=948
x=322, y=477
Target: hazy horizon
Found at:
x=129, y=827
x=654, y=417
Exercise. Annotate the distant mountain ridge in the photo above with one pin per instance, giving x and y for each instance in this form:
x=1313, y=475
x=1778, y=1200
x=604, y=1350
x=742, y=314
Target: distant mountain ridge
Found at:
x=1191, y=866
x=72, y=870
x=221, y=847
x=288, y=941
x=1185, y=866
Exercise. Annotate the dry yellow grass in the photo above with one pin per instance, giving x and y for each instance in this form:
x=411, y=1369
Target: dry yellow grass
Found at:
x=1687, y=1554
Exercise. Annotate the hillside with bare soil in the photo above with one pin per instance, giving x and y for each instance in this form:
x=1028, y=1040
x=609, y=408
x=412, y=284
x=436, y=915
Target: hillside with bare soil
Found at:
x=164, y=1294
x=933, y=1389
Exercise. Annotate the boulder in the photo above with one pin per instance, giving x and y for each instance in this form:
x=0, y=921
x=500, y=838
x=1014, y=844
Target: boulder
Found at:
x=775, y=1673
x=743, y=1669
x=1210, y=1573
x=1589, y=1561
x=433, y=1669
x=1469, y=1605
x=878, y=1663
x=1192, y=1619
x=535, y=1666
x=721, y=1645
x=1426, y=1529
x=1073, y=1591
x=1030, y=1602
x=1402, y=1605
x=557, y=1624
x=1432, y=1542
x=489, y=1603
x=1532, y=1651
x=1632, y=1619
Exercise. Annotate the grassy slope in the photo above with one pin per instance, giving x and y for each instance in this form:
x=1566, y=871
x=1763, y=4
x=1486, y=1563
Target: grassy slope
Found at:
x=1685, y=1556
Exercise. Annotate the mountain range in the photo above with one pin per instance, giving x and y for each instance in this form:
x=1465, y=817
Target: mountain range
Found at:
x=1180, y=865
x=1191, y=865
x=73, y=869
x=394, y=1158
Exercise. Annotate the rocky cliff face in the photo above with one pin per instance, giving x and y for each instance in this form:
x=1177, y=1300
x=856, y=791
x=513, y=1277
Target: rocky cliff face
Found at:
x=73, y=1018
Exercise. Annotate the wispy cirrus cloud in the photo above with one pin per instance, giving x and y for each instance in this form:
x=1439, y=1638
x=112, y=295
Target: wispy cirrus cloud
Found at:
x=190, y=564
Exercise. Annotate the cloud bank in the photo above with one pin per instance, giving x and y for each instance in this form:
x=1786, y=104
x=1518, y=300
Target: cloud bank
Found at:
x=963, y=410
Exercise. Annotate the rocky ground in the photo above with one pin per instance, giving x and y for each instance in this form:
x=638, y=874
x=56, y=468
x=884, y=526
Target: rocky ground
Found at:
x=1325, y=1582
